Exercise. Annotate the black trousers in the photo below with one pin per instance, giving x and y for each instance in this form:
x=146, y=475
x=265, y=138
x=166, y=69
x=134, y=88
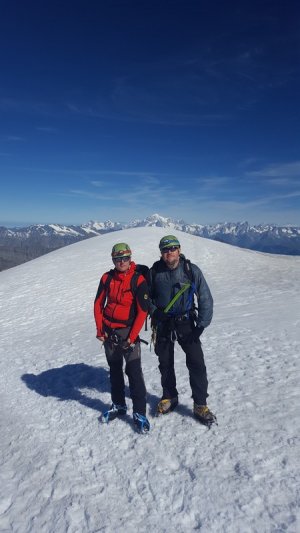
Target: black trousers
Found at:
x=164, y=349
x=133, y=369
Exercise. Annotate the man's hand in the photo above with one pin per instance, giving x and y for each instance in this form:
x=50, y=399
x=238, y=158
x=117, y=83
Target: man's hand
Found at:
x=126, y=345
x=196, y=333
x=102, y=338
x=160, y=316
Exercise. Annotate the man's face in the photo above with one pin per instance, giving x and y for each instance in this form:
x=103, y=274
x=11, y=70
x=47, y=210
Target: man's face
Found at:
x=122, y=264
x=171, y=256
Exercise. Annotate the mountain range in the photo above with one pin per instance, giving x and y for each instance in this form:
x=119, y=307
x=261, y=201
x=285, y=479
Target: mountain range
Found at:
x=18, y=245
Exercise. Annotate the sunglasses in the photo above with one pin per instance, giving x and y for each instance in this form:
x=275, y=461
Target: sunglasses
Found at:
x=170, y=249
x=125, y=259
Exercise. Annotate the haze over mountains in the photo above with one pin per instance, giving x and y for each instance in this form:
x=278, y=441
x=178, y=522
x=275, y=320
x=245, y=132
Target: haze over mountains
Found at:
x=18, y=245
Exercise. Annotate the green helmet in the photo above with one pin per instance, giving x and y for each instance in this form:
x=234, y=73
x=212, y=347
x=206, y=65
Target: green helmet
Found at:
x=168, y=241
x=121, y=249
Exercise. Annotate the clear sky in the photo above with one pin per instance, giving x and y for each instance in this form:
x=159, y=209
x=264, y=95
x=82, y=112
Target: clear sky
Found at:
x=118, y=109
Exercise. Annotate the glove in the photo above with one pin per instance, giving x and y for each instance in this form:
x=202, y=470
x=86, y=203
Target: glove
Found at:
x=196, y=333
x=160, y=316
x=126, y=345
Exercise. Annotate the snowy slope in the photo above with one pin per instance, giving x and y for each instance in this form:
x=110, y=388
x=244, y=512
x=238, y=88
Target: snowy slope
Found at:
x=63, y=471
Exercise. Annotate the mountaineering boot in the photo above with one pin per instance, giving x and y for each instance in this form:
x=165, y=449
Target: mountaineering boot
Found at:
x=166, y=405
x=141, y=422
x=204, y=415
x=113, y=412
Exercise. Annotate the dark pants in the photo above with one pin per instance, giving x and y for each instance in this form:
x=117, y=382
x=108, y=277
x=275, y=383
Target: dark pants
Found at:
x=164, y=348
x=133, y=369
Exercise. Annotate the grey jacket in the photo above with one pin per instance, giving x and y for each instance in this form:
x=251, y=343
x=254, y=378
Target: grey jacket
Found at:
x=165, y=283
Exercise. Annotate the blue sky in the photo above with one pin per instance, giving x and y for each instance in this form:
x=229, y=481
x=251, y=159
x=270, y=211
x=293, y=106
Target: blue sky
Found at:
x=120, y=109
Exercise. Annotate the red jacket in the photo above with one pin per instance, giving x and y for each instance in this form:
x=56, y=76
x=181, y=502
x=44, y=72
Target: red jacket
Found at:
x=118, y=307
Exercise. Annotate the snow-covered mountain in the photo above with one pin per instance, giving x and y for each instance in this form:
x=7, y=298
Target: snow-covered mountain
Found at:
x=36, y=240
x=59, y=230
x=18, y=245
x=62, y=470
x=265, y=238
x=157, y=221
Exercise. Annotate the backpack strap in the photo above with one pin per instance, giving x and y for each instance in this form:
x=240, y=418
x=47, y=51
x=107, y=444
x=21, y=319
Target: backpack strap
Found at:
x=189, y=272
x=188, y=269
x=139, y=269
x=152, y=272
x=133, y=282
x=144, y=271
x=108, y=280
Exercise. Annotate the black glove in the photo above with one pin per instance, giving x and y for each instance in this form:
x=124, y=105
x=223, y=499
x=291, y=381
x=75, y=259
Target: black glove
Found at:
x=126, y=345
x=196, y=333
x=160, y=316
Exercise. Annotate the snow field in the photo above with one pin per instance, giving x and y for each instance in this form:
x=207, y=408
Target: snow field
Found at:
x=64, y=471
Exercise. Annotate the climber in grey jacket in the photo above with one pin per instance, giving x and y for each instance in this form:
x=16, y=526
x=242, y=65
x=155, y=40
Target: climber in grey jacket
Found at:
x=174, y=283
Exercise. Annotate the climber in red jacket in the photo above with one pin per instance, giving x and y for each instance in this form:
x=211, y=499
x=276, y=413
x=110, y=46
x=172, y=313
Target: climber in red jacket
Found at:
x=120, y=309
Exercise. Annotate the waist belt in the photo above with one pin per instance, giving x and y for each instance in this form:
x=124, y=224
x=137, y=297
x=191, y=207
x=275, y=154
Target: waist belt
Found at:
x=182, y=318
x=114, y=320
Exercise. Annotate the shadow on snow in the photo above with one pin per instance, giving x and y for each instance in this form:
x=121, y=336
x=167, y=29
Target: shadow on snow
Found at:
x=66, y=382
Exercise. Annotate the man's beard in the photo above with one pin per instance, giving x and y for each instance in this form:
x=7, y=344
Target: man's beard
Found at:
x=172, y=263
